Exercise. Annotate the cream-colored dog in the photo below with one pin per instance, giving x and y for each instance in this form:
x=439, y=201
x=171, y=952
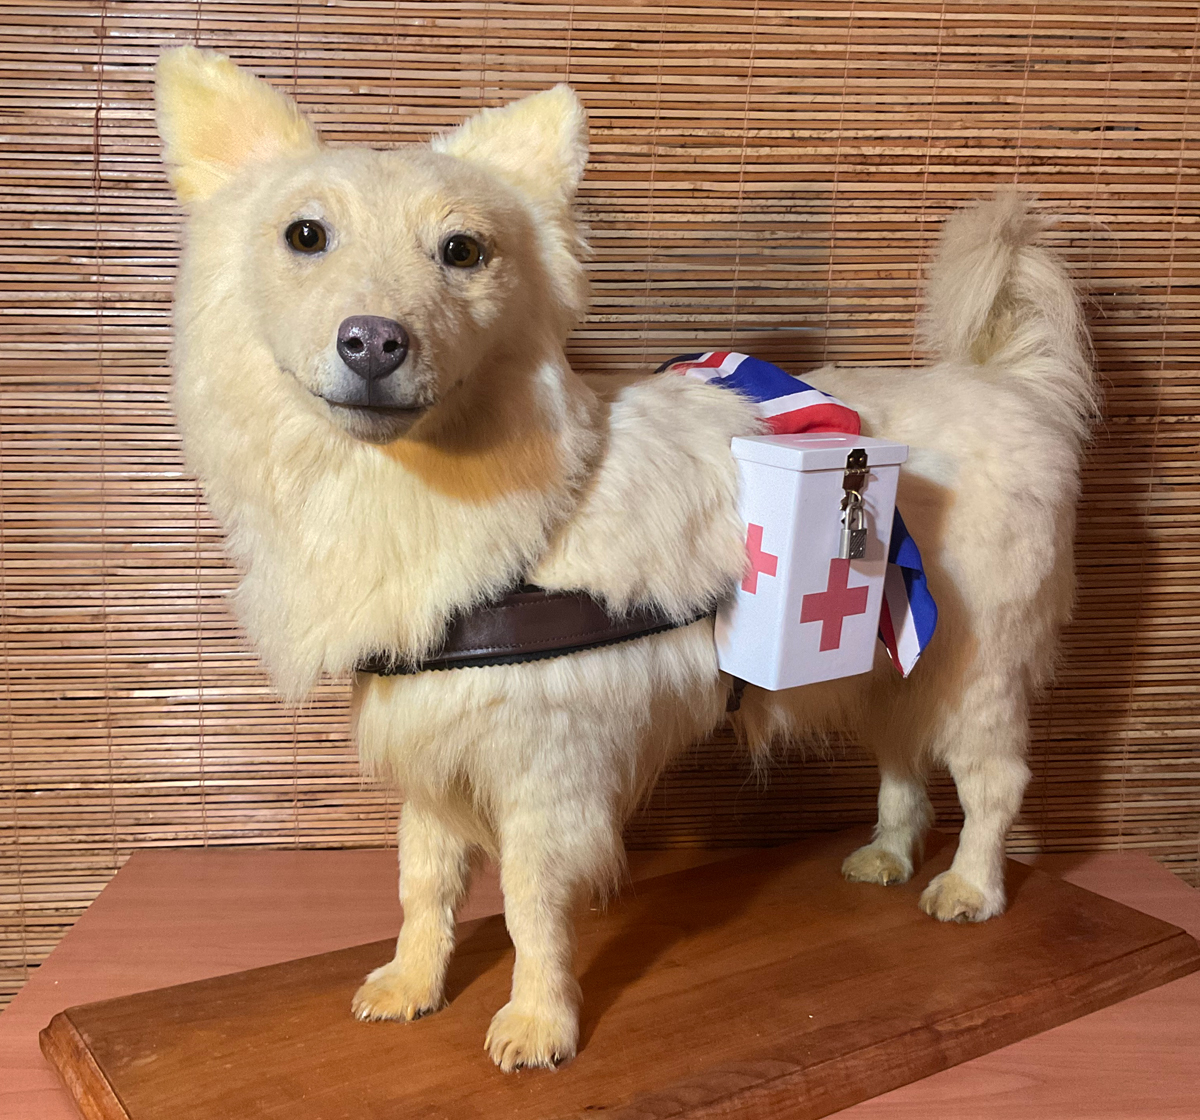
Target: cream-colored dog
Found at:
x=365, y=504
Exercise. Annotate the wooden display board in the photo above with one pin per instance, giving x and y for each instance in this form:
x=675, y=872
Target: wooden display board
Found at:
x=763, y=986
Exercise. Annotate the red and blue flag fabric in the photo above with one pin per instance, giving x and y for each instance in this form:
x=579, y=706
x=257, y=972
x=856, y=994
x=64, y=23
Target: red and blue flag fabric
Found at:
x=909, y=614
x=789, y=405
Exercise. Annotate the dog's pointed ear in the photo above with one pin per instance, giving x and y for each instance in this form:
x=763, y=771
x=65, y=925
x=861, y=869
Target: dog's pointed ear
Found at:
x=214, y=118
x=539, y=143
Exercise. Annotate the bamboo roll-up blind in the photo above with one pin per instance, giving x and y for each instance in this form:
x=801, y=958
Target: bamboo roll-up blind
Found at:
x=765, y=175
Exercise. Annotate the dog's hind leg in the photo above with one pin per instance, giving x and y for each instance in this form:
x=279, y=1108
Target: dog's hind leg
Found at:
x=984, y=748
x=434, y=874
x=905, y=815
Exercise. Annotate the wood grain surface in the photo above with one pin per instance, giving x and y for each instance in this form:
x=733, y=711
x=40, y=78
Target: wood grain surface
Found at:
x=760, y=986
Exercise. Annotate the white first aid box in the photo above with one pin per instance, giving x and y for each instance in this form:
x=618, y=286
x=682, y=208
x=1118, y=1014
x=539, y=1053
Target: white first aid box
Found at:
x=801, y=615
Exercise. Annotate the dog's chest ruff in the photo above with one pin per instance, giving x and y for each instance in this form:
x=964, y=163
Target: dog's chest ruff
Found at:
x=653, y=544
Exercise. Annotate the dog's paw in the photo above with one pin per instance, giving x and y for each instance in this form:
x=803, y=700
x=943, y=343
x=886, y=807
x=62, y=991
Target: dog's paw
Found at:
x=950, y=898
x=873, y=864
x=391, y=993
x=519, y=1038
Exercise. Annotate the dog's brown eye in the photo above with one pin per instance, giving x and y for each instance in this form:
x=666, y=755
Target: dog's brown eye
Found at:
x=461, y=251
x=306, y=236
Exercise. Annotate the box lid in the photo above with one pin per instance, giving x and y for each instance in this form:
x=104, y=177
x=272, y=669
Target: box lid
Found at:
x=816, y=451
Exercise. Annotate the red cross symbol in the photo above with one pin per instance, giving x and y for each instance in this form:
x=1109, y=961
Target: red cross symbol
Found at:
x=759, y=561
x=831, y=606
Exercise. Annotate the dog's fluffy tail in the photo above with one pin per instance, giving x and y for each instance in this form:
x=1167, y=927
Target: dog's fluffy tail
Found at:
x=999, y=300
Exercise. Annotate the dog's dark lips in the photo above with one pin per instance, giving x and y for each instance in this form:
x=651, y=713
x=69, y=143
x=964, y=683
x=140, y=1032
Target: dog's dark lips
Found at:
x=375, y=423
x=378, y=409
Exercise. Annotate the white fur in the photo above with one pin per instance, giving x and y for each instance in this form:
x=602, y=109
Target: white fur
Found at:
x=352, y=544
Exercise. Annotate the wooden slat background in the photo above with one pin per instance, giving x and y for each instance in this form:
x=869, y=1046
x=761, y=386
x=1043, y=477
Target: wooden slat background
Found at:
x=763, y=174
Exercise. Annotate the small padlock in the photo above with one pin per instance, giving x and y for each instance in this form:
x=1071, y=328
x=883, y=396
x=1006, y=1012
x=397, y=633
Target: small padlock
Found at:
x=853, y=543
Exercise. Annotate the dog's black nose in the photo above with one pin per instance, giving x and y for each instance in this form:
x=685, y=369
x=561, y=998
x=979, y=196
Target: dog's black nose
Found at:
x=371, y=345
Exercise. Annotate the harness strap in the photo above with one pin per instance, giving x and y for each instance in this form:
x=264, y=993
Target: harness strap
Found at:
x=529, y=624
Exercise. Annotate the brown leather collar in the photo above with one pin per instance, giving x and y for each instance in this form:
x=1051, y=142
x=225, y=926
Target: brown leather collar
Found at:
x=528, y=625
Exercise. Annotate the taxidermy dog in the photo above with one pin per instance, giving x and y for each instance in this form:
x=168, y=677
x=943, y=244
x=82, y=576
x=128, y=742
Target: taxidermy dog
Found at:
x=371, y=384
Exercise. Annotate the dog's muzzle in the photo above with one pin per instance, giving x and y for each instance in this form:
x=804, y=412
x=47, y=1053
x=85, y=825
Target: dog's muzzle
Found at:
x=374, y=393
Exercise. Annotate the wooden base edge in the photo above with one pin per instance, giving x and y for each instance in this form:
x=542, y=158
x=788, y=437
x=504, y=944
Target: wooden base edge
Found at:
x=65, y=1050
x=778, y=1090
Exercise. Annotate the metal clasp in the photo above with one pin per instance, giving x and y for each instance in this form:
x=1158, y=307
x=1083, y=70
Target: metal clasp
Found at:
x=853, y=542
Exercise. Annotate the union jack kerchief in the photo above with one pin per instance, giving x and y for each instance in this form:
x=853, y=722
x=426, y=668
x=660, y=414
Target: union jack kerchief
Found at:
x=789, y=405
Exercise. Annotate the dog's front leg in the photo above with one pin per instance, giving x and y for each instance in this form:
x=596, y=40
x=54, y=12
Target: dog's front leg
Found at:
x=548, y=855
x=434, y=873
